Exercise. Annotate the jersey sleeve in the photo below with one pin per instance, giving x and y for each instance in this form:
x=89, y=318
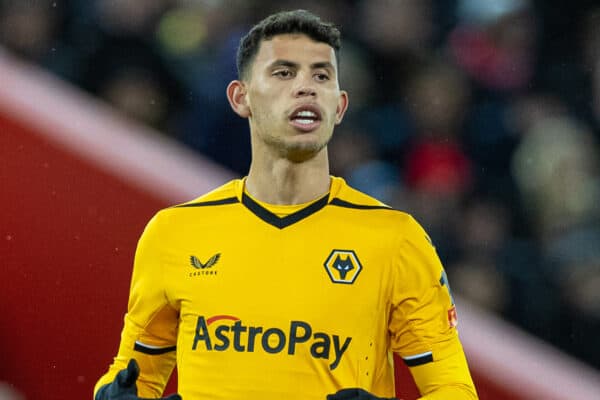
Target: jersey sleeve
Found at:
x=149, y=333
x=423, y=320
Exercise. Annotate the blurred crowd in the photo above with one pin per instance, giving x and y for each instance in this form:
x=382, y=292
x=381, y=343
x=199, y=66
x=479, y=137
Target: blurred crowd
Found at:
x=479, y=117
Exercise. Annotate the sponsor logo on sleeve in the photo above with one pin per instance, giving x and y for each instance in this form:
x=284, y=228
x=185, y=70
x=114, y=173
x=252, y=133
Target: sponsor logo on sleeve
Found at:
x=452, y=317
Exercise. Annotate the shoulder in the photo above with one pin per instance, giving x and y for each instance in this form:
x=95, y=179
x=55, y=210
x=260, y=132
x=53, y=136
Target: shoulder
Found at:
x=218, y=198
x=224, y=194
x=377, y=214
x=345, y=196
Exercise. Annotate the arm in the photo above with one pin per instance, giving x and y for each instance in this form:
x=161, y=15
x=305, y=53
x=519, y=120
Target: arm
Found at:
x=423, y=324
x=447, y=377
x=150, y=329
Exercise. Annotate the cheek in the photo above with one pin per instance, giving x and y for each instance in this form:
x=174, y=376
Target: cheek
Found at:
x=335, y=107
x=260, y=101
x=263, y=110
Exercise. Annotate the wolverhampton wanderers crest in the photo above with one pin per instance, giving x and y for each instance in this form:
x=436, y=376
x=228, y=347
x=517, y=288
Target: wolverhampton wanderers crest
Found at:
x=343, y=266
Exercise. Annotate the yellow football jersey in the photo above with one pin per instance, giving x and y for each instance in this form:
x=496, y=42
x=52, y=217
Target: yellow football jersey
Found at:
x=268, y=302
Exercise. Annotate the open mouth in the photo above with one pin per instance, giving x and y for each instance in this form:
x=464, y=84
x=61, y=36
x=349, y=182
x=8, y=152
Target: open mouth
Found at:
x=306, y=118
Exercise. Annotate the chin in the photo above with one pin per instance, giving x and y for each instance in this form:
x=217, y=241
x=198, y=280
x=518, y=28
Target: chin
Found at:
x=300, y=152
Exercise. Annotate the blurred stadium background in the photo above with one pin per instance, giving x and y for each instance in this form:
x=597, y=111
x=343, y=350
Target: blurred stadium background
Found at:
x=480, y=117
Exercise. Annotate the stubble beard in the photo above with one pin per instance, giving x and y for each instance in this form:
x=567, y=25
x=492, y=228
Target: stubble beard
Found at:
x=295, y=150
x=293, y=147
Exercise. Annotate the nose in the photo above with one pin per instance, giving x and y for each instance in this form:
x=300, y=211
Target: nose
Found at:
x=305, y=88
x=305, y=91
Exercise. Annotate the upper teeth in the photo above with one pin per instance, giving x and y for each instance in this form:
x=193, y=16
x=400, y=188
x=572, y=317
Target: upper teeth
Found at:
x=306, y=114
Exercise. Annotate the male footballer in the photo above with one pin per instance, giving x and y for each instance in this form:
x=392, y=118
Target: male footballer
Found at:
x=288, y=283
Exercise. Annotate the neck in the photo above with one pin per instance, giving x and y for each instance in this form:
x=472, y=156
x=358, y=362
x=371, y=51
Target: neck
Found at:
x=282, y=181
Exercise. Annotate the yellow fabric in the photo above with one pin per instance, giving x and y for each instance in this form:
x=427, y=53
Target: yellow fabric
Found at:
x=295, y=311
x=438, y=380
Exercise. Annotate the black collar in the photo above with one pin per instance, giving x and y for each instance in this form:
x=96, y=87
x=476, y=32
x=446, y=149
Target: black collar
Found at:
x=282, y=222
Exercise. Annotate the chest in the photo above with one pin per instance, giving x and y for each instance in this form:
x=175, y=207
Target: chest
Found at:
x=306, y=272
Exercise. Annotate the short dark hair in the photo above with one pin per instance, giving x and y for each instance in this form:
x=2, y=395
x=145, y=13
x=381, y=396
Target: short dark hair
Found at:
x=297, y=21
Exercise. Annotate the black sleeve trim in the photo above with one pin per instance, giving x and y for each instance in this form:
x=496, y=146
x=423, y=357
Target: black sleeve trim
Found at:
x=419, y=359
x=152, y=350
x=229, y=200
x=344, y=203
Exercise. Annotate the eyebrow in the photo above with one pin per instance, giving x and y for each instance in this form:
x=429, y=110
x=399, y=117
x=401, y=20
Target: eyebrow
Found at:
x=323, y=64
x=316, y=65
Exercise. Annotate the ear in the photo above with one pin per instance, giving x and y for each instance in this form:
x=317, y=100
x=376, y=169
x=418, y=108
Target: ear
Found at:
x=342, y=107
x=236, y=94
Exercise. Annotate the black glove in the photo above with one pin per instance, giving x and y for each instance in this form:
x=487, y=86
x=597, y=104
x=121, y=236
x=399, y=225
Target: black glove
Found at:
x=354, y=394
x=123, y=387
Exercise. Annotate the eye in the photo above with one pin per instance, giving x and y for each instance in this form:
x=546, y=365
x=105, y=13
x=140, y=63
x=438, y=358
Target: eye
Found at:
x=321, y=77
x=283, y=73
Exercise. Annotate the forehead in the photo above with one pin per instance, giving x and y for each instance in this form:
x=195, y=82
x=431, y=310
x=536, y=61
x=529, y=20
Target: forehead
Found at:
x=297, y=48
